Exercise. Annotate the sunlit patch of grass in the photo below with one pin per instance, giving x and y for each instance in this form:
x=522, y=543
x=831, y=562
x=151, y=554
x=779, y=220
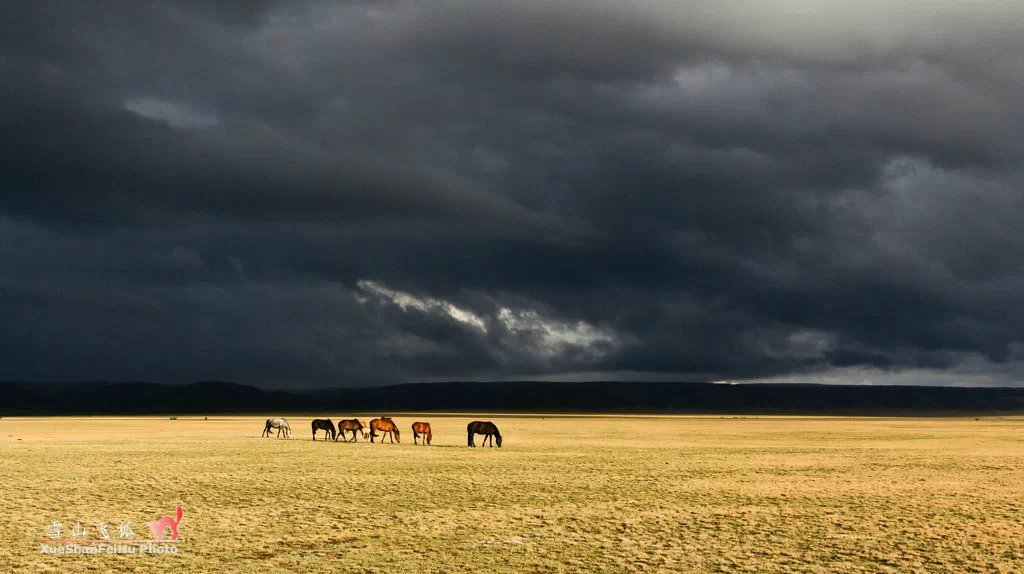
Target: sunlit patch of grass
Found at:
x=595, y=494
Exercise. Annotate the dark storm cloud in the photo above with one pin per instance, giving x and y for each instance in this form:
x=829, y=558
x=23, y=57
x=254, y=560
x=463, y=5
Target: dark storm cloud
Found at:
x=371, y=192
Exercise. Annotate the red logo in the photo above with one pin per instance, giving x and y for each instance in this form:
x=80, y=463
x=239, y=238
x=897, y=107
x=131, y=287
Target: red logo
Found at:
x=159, y=527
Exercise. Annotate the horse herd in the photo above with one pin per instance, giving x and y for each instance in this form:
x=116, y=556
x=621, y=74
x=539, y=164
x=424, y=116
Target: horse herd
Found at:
x=382, y=426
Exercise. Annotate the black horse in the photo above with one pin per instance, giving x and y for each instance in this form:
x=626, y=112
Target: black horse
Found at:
x=325, y=425
x=486, y=428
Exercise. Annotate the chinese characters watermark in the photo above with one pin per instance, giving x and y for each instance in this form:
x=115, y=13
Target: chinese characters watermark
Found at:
x=78, y=539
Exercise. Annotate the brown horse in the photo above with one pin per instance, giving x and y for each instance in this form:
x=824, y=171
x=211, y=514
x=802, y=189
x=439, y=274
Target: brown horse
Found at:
x=421, y=429
x=355, y=425
x=325, y=425
x=486, y=428
x=385, y=426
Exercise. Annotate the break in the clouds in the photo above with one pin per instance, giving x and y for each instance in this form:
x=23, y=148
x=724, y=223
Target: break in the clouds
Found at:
x=328, y=194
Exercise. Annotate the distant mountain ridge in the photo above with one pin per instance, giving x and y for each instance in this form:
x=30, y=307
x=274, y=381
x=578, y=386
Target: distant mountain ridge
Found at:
x=209, y=397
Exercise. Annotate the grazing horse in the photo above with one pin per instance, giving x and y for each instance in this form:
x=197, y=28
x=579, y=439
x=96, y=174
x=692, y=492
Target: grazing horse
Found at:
x=486, y=428
x=385, y=426
x=280, y=424
x=325, y=425
x=421, y=429
x=354, y=425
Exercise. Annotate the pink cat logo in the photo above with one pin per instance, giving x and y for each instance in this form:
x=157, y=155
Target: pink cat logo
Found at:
x=159, y=527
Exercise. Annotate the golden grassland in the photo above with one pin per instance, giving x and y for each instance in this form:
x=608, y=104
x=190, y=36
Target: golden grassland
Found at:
x=566, y=493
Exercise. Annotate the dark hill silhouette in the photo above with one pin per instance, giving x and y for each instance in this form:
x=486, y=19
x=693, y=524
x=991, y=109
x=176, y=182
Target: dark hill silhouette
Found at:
x=607, y=397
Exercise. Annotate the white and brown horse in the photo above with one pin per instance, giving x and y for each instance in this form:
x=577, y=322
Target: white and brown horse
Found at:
x=280, y=424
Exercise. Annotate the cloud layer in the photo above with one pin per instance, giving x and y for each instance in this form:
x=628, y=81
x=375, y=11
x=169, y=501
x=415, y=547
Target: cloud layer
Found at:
x=315, y=193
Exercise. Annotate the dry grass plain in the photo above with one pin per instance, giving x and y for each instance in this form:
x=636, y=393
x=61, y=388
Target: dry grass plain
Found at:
x=593, y=494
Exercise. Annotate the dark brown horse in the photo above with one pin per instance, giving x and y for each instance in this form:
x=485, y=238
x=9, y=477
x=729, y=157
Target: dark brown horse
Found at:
x=486, y=428
x=325, y=425
x=385, y=426
x=421, y=429
x=356, y=426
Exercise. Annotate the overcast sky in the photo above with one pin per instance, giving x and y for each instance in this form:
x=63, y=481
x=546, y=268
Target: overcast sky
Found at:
x=363, y=193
